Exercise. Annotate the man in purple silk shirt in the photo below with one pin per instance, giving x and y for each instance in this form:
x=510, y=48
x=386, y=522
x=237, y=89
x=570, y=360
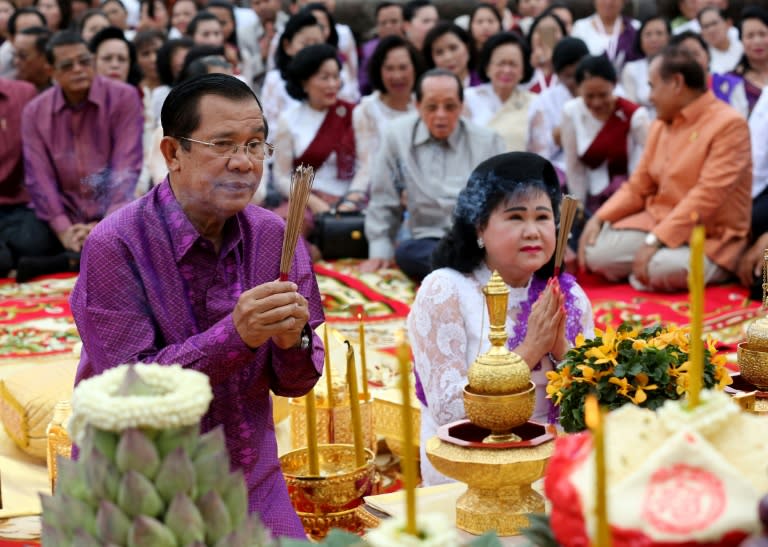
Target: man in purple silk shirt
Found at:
x=82, y=148
x=21, y=233
x=187, y=274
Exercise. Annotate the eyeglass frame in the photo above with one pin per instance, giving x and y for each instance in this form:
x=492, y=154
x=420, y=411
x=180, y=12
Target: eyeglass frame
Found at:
x=69, y=64
x=269, y=149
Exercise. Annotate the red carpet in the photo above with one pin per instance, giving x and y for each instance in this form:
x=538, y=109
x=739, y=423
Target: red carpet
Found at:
x=35, y=317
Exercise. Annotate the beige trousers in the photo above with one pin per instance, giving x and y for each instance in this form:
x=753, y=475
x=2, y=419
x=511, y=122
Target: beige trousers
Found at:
x=614, y=251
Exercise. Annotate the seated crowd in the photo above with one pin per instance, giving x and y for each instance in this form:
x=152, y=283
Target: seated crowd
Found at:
x=652, y=125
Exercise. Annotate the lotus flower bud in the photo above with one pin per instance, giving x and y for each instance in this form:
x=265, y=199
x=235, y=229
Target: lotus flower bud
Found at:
x=137, y=496
x=170, y=439
x=212, y=471
x=216, y=516
x=101, y=477
x=80, y=515
x=112, y=525
x=70, y=480
x=184, y=520
x=53, y=536
x=212, y=442
x=55, y=515
x=235, y=497
x=257, y=531
x=84, y=539
x=176, y=475
x=148, y=531
x=103, y=441
x=136, y=452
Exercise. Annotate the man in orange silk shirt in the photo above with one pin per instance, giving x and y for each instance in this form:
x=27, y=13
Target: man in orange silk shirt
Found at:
x=696, y=168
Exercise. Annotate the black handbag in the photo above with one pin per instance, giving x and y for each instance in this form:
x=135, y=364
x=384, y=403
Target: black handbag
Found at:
x=341, y=234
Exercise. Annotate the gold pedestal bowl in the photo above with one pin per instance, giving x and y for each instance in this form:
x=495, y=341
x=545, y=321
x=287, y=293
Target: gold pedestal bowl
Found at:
x=334, y=424
x=327, y=501
x=498, y=475
x=500, y=413
x=753, y=362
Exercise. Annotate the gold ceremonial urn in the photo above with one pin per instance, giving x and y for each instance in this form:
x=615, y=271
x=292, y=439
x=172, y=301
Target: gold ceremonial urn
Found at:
x=497, y=452
x=751, y=386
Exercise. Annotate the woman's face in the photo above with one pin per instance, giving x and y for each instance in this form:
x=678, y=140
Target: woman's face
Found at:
x=113, y=60
x=417, y=28
x=52, y=12
x=754, y=36
x=701, y=55
x=397, y=72
x=325, y=24
x=117, y=16
x=505, y=68
x=307, y=36
x=714, y=29
x=160, y=19
x=520, y=237
x=6, y=10
x=598, y=96
x=93, y=25
x=609, y=9
x=484, y=24
x=177, y=60
x=183, y=12
x=146, y=58
x=543, y=40
x=208, y=33
x=450, y=53
x=324, y=85
x=565, y=15
x=654, y=37
x=225, y=18
x=531, y=8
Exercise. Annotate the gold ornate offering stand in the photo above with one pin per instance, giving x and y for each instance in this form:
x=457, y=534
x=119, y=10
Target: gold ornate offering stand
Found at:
x=497, y=452
x=750, y=387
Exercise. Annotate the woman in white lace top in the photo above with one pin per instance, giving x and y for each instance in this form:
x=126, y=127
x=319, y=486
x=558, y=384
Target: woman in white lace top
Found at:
x=505, y=220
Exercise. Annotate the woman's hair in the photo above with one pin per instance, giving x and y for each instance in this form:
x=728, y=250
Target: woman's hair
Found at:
x=93, y=12
x=199, y=58
x=722, y=13
x=114, y=33
x=165, y=55
x=65, y=8
x=294, y=25
x=539, y=18
x=500, y=179
x=333, y=37
x=568, y=51
x=498, y=40
x=199, y=17
x=473, y=13
x=638, y=45
x=680, y=37
x=305, y=64
x=379, y=55
x=228, y=6
x=595, y=66
x=749, y=12
x=147, y=37
x=441, y=29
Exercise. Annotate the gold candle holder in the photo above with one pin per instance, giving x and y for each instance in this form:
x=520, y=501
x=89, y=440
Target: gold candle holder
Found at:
x=58, y=441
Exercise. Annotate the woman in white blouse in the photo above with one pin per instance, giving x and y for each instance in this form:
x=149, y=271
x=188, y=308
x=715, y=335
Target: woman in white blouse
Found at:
x=653, y=35
x=505, y=220
x=608, y=31
x=602, y=135
x=725, y=50
x=393, y=69
x=502, y=104
x=318, y=130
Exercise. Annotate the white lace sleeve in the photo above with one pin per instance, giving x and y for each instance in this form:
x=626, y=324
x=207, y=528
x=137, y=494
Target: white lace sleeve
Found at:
x=439, y=342
x=587, y=317
x=366, y=144
x=283, y=161
x=540, y=139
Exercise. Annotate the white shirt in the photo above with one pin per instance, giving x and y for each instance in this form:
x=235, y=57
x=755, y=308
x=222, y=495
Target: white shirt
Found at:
x=634, y=81
x=481, y=105
x=725, y=61
x=758, y=128
x=295, y=131
x=544, y=115
x=274, y=97
x=599, y=42
x=448, y=327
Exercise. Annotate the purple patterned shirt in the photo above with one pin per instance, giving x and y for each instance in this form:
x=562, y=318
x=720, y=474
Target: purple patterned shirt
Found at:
x=82, y=162
x=151, y=289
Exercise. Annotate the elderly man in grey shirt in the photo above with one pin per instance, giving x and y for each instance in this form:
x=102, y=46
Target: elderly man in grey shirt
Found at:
x=423, y=164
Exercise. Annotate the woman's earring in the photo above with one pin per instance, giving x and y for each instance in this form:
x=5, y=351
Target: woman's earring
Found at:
x=480, y=243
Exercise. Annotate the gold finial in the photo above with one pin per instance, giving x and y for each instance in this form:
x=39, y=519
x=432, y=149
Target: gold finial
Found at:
x=496, y=297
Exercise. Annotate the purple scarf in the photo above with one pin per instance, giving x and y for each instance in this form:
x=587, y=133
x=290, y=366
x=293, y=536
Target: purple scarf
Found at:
x=572, y=327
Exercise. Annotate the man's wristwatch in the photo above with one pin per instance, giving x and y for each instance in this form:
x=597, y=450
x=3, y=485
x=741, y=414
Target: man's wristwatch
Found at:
x=652, y=241
x=305, y=340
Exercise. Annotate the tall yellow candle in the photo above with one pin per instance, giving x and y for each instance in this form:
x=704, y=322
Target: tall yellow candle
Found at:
x=363, y=363
x=696, y=291
x=311, y=408
x=354, y=407
x=408, y=459
x=594, y=419
x=328, y=378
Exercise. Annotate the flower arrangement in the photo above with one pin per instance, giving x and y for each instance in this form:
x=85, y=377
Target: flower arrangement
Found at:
x=629, y=365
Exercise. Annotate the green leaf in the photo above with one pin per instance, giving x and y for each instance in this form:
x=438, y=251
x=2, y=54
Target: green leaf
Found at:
x=489, y=539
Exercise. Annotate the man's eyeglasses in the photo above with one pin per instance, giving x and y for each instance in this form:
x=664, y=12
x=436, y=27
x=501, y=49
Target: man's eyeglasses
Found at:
x=254, y=150
x=69, y=64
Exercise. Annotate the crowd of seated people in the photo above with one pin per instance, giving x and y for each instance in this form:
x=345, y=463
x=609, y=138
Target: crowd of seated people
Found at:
x=393, y=119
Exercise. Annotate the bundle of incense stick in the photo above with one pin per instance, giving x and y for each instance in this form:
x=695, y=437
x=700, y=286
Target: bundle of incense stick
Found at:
x=568, y=209
x=301, y=186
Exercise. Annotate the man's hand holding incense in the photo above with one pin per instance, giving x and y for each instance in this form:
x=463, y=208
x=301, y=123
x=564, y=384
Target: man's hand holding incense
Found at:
x=274, y=310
